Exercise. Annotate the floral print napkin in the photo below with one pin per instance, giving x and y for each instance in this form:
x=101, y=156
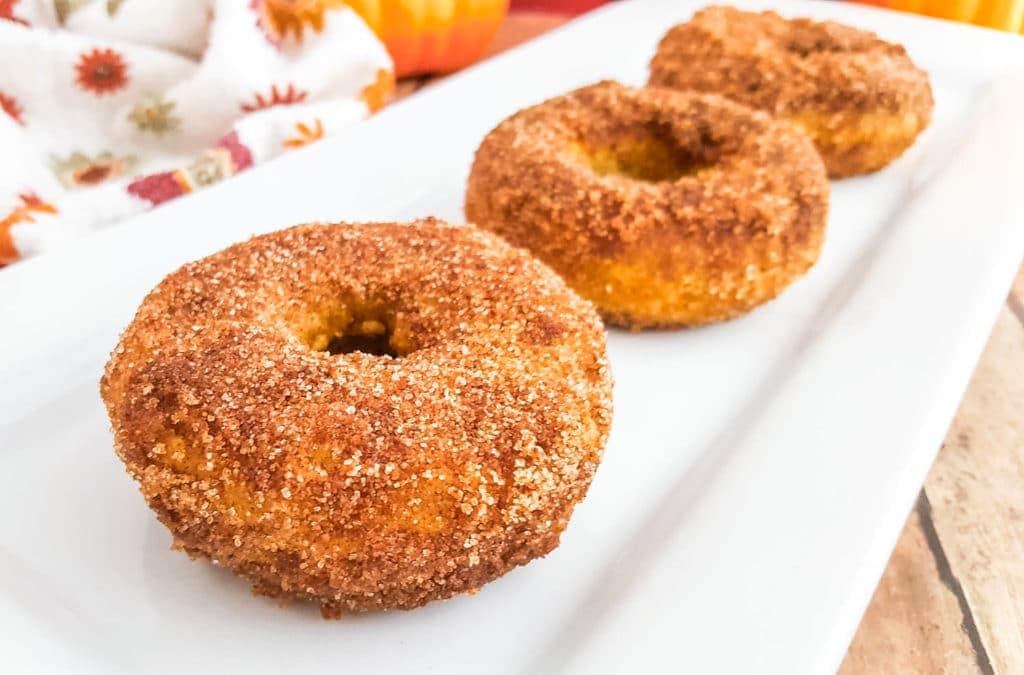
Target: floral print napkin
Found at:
x=111, y=107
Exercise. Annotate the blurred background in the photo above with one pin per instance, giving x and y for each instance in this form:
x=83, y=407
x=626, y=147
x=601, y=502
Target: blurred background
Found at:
x=112, y=107
x=1007, y=15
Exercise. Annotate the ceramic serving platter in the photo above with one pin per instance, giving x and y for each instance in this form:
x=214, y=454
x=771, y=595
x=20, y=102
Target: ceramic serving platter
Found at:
x=758, y=472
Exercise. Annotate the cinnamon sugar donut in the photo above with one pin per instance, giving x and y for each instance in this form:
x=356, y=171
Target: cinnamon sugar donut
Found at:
x=861, y=99
x=366, y=416
x=664, y=208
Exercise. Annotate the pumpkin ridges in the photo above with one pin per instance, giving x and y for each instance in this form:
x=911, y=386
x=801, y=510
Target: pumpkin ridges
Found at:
x=405, y=25
x=472, y=38
x=1001, y=14
x=425, y=36
x=441, y=15
x=409, y=29
x=1007, y=15
x=956, y=10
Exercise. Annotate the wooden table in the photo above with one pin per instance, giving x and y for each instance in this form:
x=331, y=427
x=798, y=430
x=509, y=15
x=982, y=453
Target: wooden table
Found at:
x=952, y=598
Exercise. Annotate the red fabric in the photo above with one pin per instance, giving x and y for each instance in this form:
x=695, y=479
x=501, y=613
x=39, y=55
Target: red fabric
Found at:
x=556, y=6
x=241, y=157
x=156, y=188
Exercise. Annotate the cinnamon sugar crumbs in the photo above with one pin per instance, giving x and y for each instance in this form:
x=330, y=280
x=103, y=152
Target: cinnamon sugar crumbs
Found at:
x=732, y=209
x=860, y=98
x=357, y=480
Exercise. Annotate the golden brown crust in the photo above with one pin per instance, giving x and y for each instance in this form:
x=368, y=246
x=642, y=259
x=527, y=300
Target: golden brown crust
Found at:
x=360, y=481
x=861, y=99
x=665, y=208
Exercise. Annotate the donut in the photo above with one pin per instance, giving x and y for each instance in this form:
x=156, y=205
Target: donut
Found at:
x=366, y=416
x=860, y=98
x=665, y=208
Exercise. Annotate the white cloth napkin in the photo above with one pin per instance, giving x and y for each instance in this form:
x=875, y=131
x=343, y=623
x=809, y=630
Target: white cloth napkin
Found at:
x=110, y=107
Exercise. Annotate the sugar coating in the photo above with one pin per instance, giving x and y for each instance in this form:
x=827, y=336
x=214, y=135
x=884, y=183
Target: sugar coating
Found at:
x=359, y=481
x=738, y=214
x=861, y=98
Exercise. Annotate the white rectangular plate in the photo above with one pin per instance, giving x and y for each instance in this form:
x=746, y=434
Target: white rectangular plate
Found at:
x=758, y=472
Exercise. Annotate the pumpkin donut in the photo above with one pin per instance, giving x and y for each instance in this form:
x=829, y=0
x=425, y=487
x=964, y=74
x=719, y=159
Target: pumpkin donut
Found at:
x=366, y=416
x=861, y=99
x=664, y=208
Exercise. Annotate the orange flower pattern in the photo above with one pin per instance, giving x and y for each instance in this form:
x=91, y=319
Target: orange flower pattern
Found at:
x=10, y=106
x=130, y=137
x=287, y=96
x=305, y=134
x=102, y=71
x=7, y=12
x=80, y=170
x=379, y=92
x=23, y=213
x=280, y=19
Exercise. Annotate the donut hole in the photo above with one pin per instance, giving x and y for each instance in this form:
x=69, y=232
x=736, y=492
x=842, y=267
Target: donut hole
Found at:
x=356, y=327
x=369, y=337
x=645, y=157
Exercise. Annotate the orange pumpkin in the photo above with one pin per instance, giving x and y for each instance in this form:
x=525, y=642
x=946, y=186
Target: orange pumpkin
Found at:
x=1002, y=14
x=432, y=36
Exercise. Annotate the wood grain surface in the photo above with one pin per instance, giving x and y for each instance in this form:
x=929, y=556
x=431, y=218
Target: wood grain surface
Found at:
x=913, y=623
x=971, y=516
x=975, y=492
x=951, y=600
